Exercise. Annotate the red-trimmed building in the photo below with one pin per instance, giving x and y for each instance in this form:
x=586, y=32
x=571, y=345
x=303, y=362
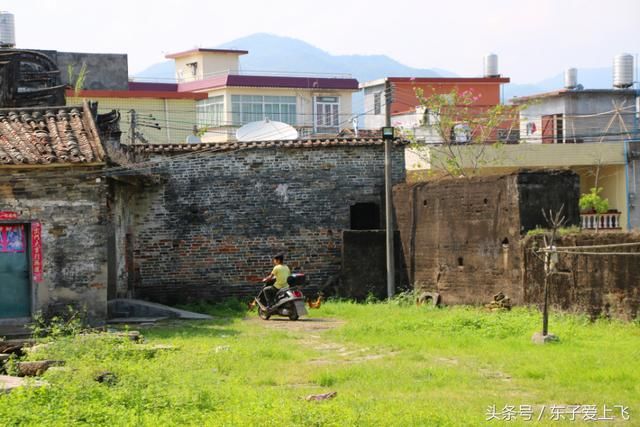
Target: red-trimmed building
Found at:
x=213, y=96
x=314, y=104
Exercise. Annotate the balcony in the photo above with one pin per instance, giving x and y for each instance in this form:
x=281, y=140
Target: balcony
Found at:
x=606, y=221
x=530, y=155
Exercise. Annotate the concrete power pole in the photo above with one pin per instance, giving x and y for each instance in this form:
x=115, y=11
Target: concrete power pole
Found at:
x=388, y=146
x=133, y=124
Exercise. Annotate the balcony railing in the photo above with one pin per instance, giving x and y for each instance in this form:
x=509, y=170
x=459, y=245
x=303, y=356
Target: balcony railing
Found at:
x=605, y=221
x=236, y=72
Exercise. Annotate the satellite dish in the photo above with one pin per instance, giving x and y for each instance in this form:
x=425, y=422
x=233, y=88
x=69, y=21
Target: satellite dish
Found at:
x=266, y=130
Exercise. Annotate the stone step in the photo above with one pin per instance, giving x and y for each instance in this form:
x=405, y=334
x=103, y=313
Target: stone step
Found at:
x=8, y=383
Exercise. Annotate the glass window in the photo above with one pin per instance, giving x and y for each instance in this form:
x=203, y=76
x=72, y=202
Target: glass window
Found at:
x=327, y=118
x=377, y=103
x=251, y=108
x=210, y=112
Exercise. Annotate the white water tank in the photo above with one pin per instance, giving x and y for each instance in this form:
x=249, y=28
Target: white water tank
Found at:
x=570, y=78
x=491, y=65
x=623, y=71
x=7, y=30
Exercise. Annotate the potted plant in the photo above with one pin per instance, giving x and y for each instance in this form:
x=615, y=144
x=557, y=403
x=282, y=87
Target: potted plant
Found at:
x=593, y=203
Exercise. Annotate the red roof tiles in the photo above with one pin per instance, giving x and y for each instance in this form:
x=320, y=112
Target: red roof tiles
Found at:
x=41, y=136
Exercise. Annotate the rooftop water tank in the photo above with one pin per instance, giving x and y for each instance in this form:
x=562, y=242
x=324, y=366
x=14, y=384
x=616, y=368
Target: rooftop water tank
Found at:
x=491, y=65
x=623, y=71
x=7, y=30
x=570, y=78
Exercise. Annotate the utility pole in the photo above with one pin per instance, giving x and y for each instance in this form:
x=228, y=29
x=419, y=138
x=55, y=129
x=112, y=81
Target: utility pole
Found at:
x=388, y=191
x=132, y=127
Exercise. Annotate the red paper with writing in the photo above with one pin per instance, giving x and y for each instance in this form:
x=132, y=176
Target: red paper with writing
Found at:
x=36, y=251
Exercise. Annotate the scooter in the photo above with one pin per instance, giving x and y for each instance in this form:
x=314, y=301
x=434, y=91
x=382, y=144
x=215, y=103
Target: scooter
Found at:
x=288, y=302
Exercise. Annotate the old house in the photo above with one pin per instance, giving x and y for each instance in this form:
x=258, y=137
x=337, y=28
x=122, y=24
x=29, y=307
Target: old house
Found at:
x=53, y=212
x=316, y=104
x=53, y=204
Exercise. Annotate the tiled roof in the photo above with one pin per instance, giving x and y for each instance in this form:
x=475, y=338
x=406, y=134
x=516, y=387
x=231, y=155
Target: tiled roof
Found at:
x=230, y=146
x=49, y=135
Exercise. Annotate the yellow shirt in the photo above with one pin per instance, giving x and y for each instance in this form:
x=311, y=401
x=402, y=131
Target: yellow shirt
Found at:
x=281, y=272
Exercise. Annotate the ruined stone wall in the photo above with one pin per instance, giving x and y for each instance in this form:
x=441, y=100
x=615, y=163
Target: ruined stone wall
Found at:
x=593, y=284
x=461, y=237
x=73, y=213
x=210, y=230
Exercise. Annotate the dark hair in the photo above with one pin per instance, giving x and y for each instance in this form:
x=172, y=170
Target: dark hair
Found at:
x=279, y=257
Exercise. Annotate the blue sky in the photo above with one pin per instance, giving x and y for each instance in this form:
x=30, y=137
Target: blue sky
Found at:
x=534, y=39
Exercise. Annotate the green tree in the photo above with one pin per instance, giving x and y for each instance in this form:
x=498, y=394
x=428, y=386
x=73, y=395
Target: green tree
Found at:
x=463, y=131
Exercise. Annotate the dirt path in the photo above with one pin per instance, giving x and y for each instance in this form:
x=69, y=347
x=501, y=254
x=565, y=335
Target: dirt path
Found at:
x=310, y=332
x=306, y=325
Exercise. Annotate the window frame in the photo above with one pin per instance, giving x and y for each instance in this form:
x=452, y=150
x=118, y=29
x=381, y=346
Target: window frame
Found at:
x=210, y=112
x=250, y=108
x=335, y=124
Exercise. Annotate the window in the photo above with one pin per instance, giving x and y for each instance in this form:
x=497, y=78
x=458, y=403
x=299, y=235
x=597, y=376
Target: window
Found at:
x=552, y=129
x=377, y=103
x=210, y=112
x=365, y=216
x=253, y=108
x=327, y=118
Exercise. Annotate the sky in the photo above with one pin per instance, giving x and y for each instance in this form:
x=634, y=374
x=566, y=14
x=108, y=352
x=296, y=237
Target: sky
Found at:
x=533, y=39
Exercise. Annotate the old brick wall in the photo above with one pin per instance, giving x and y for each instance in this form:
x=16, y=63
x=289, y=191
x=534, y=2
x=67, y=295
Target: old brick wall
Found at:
x=73, y=213
x=210, y=230
x=461, y=237
x=594, y=284
x=364, y=265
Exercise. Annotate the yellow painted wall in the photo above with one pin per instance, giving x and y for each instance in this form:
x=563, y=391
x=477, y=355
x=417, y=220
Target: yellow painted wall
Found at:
x=184, y=73
x=176, y=117
x=209, y=63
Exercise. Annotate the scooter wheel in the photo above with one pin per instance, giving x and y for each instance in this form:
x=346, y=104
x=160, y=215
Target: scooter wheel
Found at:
x=293, y=316
x=263, y=314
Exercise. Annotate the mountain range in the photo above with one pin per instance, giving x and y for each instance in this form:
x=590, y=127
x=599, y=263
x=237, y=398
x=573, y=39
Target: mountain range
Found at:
x=276, y=53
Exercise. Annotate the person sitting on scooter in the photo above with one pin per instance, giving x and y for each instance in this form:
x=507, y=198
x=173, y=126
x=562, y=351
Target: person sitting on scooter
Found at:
x=280, y=273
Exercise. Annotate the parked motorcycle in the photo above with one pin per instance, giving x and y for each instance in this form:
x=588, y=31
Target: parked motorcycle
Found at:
x=288, y=302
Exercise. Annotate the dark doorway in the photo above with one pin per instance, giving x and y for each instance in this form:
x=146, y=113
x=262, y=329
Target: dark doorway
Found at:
x=365, y=216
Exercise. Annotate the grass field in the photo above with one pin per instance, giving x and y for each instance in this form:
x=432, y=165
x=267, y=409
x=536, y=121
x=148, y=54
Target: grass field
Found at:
x=389, y=364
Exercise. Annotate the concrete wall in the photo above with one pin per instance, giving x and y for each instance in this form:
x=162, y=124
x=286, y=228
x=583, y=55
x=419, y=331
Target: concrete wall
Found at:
x=208, y=64
x=461, y=237
x=586, y=113
x=597, y=285
x=371, y=120
x=210, y=230
x=73, y=214
x=105, y=71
